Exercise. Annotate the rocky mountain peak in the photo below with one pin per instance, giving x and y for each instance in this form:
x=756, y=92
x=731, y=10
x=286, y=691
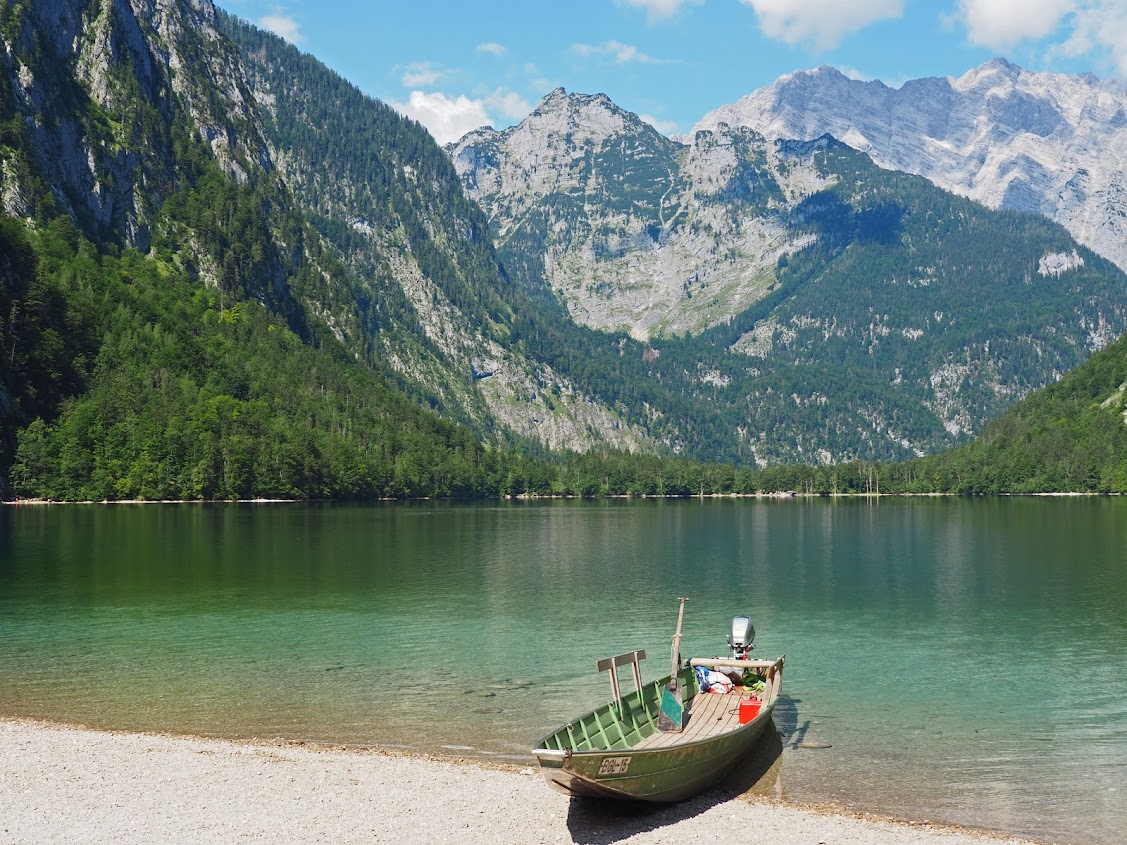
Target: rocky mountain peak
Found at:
x=783, y=250
x=1050, y=143
x=999, y=64
x=822, y=72
x=580, y=117
x=635, y=225
x=554, y=98
x=561, y=125
x=562, y=146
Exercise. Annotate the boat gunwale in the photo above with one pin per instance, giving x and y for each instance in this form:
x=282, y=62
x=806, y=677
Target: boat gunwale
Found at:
x=607, y=706
x=765, y=711
x=767, y=708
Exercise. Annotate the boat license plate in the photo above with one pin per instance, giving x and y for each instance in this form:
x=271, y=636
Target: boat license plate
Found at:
x=614, y=766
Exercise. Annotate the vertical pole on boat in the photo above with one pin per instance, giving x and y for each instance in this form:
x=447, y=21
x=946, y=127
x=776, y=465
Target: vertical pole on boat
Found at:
x=614, y=682
x=671, y=717
x=677, y=639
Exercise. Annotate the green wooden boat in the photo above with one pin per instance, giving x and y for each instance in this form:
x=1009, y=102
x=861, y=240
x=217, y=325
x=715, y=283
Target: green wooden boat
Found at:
x=618, y=751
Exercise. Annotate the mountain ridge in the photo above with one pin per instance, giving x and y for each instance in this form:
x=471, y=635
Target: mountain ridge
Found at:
x=657, y=232
x=234, y=275
x=95, y=41
x=792, y=269
x=1007, y=137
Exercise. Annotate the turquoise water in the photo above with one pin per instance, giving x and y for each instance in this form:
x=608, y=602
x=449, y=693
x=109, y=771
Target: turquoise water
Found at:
x=963, y=658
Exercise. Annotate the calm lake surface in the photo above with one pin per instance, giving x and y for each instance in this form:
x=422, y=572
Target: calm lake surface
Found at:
x=965, y=659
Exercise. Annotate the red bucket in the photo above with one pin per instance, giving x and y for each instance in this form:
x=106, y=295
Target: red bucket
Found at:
x=749, y=709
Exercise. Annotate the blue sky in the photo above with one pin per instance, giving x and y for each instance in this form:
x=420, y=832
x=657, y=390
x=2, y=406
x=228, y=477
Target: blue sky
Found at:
x=457, y=65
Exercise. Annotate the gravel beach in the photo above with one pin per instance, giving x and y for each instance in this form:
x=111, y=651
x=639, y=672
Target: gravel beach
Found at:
x=64, y=785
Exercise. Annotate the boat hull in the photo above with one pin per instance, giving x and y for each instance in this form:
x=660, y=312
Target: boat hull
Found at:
x=660, y=775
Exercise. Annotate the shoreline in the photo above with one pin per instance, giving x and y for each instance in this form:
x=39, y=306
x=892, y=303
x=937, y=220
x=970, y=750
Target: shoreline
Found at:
x=64, y=783
x=526, y=498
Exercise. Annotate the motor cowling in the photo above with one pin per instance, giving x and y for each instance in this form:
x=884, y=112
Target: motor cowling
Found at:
x=742, y=637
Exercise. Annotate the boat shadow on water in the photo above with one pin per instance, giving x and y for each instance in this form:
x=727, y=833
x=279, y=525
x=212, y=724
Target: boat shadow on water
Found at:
x=599, y=821
x=787, y=721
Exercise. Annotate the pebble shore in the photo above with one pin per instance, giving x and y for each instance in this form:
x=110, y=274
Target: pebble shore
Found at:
x=62, y=784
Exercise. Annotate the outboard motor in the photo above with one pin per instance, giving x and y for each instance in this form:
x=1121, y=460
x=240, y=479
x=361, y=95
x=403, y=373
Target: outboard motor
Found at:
x=742, y=638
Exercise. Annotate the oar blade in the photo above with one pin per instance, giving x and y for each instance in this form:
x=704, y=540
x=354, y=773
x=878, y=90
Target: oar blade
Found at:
x=671, y=718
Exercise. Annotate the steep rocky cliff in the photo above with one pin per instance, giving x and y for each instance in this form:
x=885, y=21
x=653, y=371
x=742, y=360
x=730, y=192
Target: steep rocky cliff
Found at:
x=233, y=268
x=118, y=112
x=133, y=117
x=100, y=86
x=181, y=324
x=633, y=231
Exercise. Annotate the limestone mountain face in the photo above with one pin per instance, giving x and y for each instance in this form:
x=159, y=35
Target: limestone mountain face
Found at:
x=118, y=111
x=112, y=77
x=1008, y=138
x=739, y=297
x=817, y=306
x=633, y=231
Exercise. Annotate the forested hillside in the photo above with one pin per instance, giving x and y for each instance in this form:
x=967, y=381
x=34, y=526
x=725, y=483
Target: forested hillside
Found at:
x=171, y=324
x=384, y=194
x=439, y=307
x=1069, y=437
x=912, y=293
x=827, y=363
x=183, y=399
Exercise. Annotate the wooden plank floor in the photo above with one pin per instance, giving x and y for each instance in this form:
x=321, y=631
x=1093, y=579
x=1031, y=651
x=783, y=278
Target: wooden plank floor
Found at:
x=707, y=715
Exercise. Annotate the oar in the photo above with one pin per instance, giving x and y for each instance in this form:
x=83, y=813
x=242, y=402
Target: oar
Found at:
x=672, y=715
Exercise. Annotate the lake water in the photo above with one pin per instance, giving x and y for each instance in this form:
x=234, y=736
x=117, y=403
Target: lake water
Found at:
x=965, y=659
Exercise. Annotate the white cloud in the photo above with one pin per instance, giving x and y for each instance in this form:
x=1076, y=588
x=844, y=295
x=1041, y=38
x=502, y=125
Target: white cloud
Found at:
x=821, y=23
x=492, y=48
x=1093, y=28
x=421, y=75
x=508, y=103
x=1102, y=29
x=854, y=74
x=621, y=53
x=1000, y=24
x=660, y=9
x=536, y=79
x=449, y=118
x=282, y=26
x=446, y=118
x=665, y=127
